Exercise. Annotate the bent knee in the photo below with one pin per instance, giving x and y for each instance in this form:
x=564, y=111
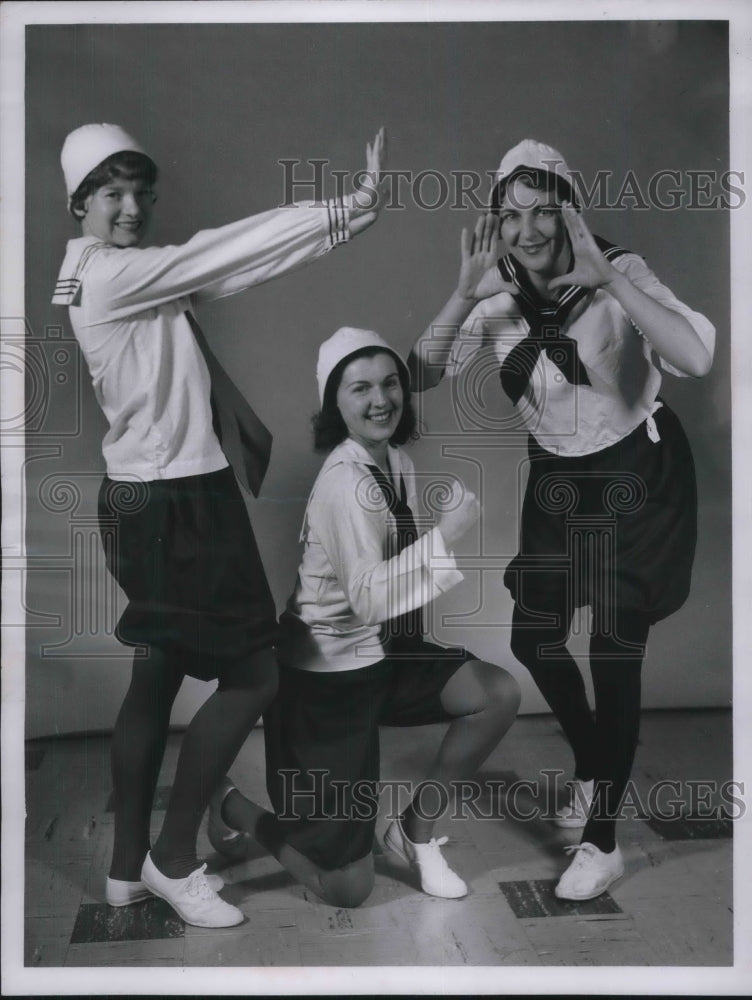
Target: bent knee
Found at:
x=258, y=675
x=497, y=689
x=347, y=897
x=508, y=691
x=502, y=690
x=524, y=646
x=530, y=646
x=348, y=887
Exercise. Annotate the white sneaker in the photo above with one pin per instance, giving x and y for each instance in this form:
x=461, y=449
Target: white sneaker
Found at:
x=119, y=892
x=192, y=898
x=224, y=839
x=436, y=877
x=575, y=813
x=591, y=872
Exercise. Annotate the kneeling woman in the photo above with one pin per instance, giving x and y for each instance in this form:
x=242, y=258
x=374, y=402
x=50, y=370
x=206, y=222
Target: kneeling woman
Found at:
x=353, y=656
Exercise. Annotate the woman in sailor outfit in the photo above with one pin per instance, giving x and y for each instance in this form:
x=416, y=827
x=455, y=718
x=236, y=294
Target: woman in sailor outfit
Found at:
x=582, y=331
x=183, y=549
x=352, y=652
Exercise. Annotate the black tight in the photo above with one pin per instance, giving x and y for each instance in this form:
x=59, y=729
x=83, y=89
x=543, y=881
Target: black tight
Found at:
x=138, y=743
x=603, y=746
x=209, y=746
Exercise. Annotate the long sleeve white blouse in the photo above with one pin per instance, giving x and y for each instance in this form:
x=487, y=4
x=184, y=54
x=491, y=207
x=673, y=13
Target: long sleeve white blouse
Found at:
x=623, y=368
x=127, y=307
x=352, y=578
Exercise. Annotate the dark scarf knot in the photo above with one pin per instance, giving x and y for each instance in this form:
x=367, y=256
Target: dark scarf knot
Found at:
x=544, y=320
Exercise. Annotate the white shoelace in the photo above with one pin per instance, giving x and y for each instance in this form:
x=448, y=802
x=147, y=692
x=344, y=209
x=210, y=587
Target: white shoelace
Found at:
x=434, y=846
x=585, y=851
x=198, y=886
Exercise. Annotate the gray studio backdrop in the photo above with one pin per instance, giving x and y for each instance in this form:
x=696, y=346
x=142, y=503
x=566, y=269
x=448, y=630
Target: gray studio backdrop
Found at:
x=219, y=106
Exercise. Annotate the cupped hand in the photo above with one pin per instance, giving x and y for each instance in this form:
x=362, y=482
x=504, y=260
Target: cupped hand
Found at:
x=479, y=275
x=591, y=269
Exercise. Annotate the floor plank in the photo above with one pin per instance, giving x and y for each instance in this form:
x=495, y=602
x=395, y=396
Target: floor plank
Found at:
x=673, y=905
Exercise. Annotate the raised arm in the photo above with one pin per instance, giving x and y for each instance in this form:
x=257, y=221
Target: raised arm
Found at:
x=368, y=199
x=478, y=279
x=219, y=262
x=346, y=217
x=669, y=331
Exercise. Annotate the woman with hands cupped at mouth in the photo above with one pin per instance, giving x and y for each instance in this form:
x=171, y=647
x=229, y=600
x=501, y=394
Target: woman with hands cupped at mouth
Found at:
x=582, y=331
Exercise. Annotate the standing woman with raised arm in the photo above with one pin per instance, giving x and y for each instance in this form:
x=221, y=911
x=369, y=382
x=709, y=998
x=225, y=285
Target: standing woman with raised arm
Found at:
x=184, y=551
x=582, y=331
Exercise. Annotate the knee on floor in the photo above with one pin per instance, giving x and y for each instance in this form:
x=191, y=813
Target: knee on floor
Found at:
x=348, y=888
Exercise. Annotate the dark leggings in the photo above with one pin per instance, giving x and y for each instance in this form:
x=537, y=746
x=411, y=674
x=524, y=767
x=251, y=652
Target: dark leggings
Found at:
x=209, y=746
x=604, y=745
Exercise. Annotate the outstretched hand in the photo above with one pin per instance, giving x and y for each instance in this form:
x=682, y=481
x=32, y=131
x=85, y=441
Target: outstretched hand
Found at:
x=591, y=269
x=479, y=276
x=370, y=186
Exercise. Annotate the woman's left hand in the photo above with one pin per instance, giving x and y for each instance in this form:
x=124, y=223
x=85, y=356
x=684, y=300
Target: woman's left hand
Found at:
x=669, y=332
x=371, y=185
x=591, y=269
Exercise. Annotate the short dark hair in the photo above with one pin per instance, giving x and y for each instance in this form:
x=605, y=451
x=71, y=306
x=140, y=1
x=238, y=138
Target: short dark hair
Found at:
x=126, y=165
x=329, y=429
x=543, y=180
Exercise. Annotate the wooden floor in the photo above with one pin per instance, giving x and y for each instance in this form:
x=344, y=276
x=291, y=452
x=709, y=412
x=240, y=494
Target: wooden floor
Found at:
x=674, y=906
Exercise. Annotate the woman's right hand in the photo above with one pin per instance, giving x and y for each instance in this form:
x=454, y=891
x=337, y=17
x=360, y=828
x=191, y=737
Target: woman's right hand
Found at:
x=479, y=276
x=462, y=511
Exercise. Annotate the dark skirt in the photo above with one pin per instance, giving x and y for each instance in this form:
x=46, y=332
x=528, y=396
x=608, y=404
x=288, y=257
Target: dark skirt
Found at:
x=614, y=529
x=185, y=555
x=322, y=746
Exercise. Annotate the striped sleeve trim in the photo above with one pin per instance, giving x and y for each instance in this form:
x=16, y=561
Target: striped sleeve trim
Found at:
x=67, y=290
x=339, y=218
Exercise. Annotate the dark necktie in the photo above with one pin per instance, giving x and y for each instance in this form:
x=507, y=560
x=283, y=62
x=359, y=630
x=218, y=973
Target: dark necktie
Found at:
x=544, y=320
x=400, y=633
x=246, y=442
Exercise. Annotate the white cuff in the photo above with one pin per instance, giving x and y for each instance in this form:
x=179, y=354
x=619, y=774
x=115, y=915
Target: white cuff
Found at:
x=440, y=561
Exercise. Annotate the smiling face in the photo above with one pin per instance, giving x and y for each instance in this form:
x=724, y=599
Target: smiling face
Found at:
x=533, y=228
x=118, y=213
x=370, y=400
